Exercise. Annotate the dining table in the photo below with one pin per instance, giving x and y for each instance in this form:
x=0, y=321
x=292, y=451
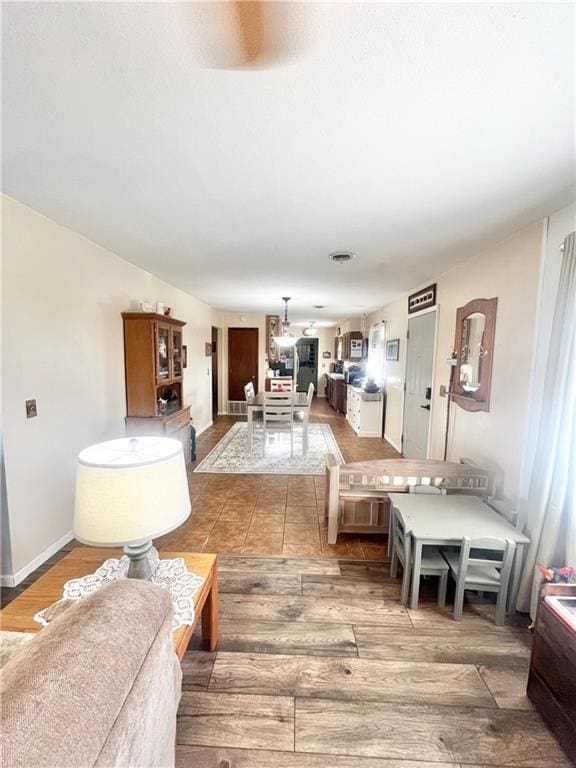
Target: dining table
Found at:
x=444, y=520
x=256, y=405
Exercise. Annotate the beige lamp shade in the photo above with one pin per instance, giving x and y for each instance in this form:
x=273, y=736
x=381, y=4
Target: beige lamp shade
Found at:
x=130, y=490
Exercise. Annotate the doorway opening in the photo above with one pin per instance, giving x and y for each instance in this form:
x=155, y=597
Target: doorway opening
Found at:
x=307, y=361
x=418, y=387
x=214, y=373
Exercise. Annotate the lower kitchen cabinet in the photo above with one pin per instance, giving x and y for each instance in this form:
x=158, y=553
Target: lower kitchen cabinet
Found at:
x=336, y=394
x=364, y=411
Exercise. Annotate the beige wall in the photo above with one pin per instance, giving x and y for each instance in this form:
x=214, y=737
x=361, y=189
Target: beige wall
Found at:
x=225, y=320
x=63, y=345
x=509, y=271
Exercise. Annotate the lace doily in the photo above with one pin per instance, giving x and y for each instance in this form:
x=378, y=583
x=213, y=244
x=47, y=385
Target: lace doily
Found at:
x=171, y=575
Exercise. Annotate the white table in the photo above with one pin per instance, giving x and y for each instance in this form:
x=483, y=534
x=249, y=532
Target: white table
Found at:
x=445, y=520
x=257, y=405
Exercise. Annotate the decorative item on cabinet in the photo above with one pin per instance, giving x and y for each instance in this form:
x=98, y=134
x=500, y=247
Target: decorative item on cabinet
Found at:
x=154, y=363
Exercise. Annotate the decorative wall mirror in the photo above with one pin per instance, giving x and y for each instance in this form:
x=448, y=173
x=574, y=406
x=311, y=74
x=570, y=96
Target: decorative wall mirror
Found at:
x=474, y=345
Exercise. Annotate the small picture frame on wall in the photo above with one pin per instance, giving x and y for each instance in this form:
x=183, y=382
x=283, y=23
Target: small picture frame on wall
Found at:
x=184, y=356
x=326, y=355
x=208, y=349
x=393, y=350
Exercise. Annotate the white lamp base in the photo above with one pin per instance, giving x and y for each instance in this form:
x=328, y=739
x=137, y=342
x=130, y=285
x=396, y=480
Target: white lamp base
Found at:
x=143, y=559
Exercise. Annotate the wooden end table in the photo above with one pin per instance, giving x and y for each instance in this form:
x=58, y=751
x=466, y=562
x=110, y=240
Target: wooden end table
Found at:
x=18, y=615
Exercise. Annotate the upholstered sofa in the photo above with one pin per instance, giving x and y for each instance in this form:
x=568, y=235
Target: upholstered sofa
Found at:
x=99, y=686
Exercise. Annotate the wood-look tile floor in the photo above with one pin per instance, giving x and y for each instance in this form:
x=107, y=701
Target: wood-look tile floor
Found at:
x=272, y=514
x=319, y=666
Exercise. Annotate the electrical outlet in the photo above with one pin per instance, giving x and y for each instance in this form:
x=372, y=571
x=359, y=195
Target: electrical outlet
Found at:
x=442, y=390
x=31, y=410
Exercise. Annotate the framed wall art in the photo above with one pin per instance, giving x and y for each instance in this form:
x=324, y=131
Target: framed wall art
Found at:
x=393, y=350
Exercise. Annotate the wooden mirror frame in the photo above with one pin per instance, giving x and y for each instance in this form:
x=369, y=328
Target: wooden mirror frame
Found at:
x=479, y=400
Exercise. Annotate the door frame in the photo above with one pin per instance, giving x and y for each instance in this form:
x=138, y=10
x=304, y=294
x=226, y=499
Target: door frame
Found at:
x=427, y=311
x=309, y=339
x=215, y=382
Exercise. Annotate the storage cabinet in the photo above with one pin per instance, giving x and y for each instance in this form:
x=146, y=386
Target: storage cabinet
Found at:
x=348, y=347
x=336, y=394
x=552, y=677
x=364, y=412
x=154, y=373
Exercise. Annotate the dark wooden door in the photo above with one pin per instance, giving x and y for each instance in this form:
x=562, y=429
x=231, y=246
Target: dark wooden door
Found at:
x=242, y=361
x=214, y=372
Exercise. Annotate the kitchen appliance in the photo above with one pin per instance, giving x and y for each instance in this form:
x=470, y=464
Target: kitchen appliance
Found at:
x=353, y=374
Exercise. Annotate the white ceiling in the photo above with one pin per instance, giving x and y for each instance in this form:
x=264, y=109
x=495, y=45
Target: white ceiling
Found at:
x=412, y=134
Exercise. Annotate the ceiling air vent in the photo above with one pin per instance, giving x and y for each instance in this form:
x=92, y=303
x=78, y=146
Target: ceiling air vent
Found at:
x=342, y=256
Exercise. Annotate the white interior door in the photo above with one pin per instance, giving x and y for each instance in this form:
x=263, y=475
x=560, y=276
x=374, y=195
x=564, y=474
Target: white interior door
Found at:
x=417, y=397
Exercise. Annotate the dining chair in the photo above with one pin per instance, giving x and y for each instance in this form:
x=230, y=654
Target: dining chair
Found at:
x=431, y=489
x=250, y=394
x=421, y=488
x=505, y=510
x=302, y=416
x=282, y=386
x=432, y=564
x=278, y=416
x=471, y=572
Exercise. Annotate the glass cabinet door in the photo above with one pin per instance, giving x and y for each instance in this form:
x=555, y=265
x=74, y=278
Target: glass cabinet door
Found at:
x=176, y=353
x=163, y=352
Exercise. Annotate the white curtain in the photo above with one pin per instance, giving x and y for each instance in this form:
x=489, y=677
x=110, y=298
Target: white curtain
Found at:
x=550, y=512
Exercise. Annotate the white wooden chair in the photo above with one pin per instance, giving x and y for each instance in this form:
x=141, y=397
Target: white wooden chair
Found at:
x=505, y=509
x=282, y=386
x=420, y=488
x=250, y=394
x=302, y=416
x=481, y=574
x=433, y=564
x=278, y=416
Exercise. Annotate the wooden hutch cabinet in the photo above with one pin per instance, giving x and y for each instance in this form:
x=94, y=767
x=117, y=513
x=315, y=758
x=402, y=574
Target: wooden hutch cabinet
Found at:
x=154, y=364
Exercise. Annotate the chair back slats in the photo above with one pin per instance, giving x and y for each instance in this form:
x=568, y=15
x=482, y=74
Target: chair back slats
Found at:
x=278, y=407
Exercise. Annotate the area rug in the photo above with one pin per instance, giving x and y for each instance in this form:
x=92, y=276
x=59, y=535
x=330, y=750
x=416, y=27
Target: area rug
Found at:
x=231, y=455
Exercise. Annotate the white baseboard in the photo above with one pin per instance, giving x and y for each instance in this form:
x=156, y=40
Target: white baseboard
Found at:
x=392, y=443
x=9, y=580
x=203, y=429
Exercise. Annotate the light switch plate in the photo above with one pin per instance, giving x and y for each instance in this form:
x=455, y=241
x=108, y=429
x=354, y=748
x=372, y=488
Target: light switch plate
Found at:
x=31, y=410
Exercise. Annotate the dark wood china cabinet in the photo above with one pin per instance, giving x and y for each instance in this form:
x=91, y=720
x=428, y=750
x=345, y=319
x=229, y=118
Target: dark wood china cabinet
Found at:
x=154, y=364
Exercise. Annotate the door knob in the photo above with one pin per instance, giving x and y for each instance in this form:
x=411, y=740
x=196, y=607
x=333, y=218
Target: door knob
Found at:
x=426, y=407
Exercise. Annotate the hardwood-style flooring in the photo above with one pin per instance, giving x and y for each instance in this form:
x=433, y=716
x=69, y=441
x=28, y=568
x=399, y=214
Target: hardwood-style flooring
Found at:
x=352, y=680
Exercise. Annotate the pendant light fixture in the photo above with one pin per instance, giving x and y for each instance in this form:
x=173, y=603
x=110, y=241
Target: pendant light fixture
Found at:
x=311, y=330
x=286, y=339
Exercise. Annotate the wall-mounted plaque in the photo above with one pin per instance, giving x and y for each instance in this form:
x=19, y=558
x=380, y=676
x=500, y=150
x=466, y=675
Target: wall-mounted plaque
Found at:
x=422, y=299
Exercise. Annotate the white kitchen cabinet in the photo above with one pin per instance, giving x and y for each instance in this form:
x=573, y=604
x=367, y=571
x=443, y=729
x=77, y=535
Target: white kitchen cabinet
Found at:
x=364, y=412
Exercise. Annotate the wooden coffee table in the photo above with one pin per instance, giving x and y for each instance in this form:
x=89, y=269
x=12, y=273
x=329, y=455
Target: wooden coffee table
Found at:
x=18, y=615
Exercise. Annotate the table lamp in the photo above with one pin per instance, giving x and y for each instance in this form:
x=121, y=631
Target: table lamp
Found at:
x=129, y=491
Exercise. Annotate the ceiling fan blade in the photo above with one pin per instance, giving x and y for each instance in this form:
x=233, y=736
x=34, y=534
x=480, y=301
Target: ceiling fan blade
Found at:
x=250, y=24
